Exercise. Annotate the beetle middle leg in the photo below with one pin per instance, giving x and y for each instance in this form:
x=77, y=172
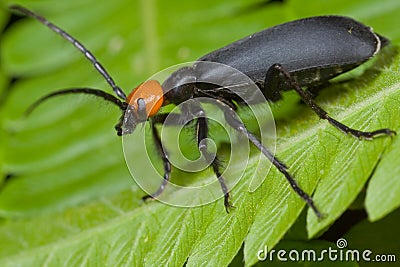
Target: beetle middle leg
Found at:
x=276, y=69
x=236, y=124
x=202, y=134
x=195, y=110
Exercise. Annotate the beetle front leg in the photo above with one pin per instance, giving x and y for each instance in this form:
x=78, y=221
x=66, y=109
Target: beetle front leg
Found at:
x=166, y=163
x=175, y=120
x=308, y=100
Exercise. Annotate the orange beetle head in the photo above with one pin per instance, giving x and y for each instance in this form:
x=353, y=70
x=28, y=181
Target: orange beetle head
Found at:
x=143, y=102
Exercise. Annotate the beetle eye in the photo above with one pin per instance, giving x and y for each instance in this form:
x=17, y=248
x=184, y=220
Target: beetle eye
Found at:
x=152, y=95
x=141, y=109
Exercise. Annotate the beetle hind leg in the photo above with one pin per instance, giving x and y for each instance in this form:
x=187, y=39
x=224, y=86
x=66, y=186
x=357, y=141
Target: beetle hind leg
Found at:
x=309, y=101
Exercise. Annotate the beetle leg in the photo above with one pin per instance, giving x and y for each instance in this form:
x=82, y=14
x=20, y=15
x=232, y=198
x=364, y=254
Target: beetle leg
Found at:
x=167, y=164
x=236, y=124
x=118, y=126
x=188, y=113
x=174, y=119
x=202, y=134
x=177, y=119
x=271, y=85
x=308, y=99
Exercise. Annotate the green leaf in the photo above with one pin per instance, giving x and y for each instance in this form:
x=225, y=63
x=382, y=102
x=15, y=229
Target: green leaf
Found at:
x=69, y=177
x=81, y=235
x=378, y=238
x=321, y=153
x=383, y=192
x=347, y=170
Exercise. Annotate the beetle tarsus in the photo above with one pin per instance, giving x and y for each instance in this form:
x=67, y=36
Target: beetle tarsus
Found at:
x=147, y=197
x=360, y=134
x=227, y=203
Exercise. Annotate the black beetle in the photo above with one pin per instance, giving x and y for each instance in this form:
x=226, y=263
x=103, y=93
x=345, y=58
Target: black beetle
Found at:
x=302, y=53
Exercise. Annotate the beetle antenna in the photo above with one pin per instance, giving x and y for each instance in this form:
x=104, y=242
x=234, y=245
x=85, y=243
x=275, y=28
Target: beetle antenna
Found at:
x=118, y=91
x=106, y=96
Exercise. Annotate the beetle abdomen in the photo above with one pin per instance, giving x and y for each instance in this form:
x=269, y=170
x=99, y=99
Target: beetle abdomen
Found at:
x=316, y=42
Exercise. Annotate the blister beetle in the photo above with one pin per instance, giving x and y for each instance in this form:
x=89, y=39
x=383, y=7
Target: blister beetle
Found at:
x=302, y=53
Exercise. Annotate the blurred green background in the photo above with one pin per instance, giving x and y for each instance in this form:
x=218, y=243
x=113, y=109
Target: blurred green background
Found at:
x=67, y=192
